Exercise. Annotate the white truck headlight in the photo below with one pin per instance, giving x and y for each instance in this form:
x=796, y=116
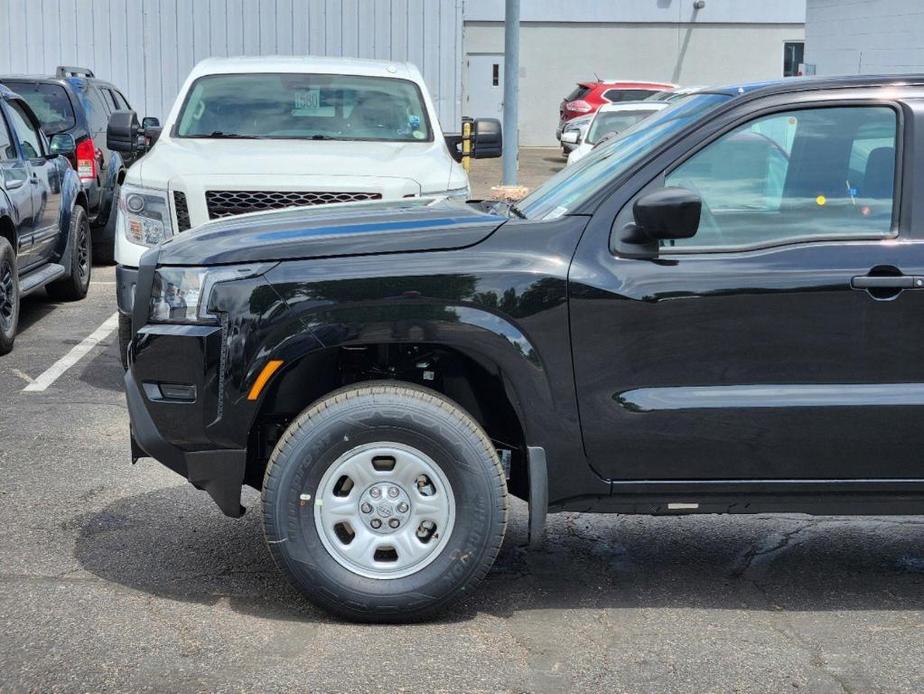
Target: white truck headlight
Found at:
x=181, y=294
x=144, y=215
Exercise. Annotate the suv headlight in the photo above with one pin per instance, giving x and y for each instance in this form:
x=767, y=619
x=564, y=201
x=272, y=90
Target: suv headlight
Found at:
x=145, y=215
x=181, y=294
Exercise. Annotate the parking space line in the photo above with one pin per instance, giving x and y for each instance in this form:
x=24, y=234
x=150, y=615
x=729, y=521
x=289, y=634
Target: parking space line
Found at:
x=79, y=351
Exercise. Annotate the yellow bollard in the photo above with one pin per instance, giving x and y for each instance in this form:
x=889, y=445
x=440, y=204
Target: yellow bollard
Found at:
x=467, y=144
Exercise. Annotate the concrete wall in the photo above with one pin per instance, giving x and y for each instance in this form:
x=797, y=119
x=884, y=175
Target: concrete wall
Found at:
x=553, y=57
x=147, y=47
x=846, y=37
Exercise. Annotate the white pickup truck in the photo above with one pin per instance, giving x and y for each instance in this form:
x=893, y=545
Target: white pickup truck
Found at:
x=261, y=133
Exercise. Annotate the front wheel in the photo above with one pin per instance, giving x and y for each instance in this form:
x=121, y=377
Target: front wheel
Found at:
x=384, y=502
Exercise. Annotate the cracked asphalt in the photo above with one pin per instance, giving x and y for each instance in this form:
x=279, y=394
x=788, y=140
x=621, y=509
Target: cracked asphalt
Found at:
x=116, y=577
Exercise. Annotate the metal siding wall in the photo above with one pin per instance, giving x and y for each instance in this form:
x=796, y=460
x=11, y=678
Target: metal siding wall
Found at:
x=147, y=47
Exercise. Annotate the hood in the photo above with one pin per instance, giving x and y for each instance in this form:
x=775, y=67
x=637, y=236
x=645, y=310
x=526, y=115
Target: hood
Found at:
x=401, y=226
x=172, y=160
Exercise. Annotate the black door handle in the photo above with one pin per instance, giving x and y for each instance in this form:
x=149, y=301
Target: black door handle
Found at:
x=886, y=282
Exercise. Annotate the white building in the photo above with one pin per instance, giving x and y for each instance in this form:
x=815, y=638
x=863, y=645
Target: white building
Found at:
x=147, y=47
x=864, y=37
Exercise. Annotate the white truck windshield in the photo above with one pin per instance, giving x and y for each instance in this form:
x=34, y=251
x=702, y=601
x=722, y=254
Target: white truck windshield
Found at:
x=304, y=107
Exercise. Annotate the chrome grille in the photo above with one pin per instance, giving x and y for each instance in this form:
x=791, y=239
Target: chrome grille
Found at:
x=224, y=203
x=182, y=211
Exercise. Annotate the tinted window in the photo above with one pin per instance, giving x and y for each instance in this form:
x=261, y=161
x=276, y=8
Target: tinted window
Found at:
x=578, y=93
x=304, y=106
x=120, y=101
x=50, y=104
x=814, y=173
x=7, y=150
x=617, y=95
x=29, y=137
x=97, y=110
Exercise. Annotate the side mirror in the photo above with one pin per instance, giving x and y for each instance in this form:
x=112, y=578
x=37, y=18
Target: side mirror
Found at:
x=150, y=122
x=487, y=141
x=62, y=144
x=454, y=145
x=123, y=132
x=571, y=137
x=669, y=213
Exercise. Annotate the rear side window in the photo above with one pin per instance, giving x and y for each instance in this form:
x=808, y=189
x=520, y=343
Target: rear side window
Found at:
x=797, y=175
x=50, y=104
x=29, y=137
x=116, y=101
x=7, y=150
x=617, y=95
x=97, y=110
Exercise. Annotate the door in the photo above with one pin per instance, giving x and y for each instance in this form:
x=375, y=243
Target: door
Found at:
x=485, y=89
x=15, y=183
x=44, y=182
x=782, y=340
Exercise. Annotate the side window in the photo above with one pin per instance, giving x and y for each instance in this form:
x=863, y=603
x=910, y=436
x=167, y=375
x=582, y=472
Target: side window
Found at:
x=97, y=110
x=813, y=173
x=7, y=149
x=29, y=137
x=617, y=95
x=121, y=101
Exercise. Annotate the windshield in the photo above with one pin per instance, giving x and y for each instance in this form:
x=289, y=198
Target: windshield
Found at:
x=304, y=107
x=50, y=104
x=567, y=189
x=609, y=122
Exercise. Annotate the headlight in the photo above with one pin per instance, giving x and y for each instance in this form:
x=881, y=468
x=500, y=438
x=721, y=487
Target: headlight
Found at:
x=181, y=294
x=144, y=215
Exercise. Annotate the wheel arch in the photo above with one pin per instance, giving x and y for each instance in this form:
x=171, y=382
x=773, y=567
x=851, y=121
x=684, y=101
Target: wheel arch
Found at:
x=489, y=368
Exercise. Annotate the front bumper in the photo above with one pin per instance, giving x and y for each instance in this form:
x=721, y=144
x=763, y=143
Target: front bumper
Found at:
x=218, y=472
x=126, y=279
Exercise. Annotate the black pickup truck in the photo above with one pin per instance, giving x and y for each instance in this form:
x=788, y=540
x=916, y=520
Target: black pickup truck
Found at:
x=718, y=312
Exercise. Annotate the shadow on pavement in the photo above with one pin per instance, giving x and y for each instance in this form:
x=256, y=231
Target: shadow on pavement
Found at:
x=174, y=543
x=104, y=370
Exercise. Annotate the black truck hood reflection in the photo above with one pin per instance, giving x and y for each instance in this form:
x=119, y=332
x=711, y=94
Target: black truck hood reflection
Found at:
x=400, y=226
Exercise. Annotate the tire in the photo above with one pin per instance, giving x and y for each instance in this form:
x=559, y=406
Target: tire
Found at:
x=79, y=245
x=104, y=251
x=125, y=336
x=9, y=296
x=462, y=488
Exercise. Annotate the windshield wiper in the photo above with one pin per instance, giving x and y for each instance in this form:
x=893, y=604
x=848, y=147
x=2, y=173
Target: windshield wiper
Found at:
x=219, y=135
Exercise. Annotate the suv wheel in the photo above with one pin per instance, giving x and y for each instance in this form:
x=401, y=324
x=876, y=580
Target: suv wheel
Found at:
x=79, y=245
x=9, y=296
x=384, y=502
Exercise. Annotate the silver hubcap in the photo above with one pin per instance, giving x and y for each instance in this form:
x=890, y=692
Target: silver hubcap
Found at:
x=384, y=510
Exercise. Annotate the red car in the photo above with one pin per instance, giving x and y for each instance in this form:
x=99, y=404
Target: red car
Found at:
x=589, y=96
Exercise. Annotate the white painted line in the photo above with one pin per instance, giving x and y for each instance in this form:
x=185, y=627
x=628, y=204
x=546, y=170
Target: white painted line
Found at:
x=76, y=354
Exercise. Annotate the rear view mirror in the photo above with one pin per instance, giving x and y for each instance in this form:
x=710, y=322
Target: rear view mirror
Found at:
x=123, y=132
x=62, y=144
x=487, y=142
x=571, y=137
x=669, y=213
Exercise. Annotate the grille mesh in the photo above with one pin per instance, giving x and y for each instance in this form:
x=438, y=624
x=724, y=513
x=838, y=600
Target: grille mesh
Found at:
x=182, y=211
x=224, y=203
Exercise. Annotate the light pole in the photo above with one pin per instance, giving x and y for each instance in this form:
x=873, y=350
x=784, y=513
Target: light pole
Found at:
x=511, y=90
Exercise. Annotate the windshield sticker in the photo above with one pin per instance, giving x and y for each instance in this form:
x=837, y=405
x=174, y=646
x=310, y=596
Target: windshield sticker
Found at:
x=308, y=103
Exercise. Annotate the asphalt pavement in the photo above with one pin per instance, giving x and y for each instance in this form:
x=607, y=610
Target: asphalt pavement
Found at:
x=116, y=577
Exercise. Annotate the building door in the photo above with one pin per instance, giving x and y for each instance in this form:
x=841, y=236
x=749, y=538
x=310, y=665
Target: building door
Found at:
x=485, y=91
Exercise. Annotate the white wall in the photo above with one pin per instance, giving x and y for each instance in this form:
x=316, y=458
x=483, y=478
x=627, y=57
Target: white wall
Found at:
x=147, y=47
x=554, y=57
x=747, y=11
x=845, y=37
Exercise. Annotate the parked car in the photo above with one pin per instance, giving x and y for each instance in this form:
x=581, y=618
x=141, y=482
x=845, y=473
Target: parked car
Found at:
x=577, y=125
x=74, y=101
x=252, y=134
x=609, y=121
x=587, y=97
x=44, y=228
x=691, y=320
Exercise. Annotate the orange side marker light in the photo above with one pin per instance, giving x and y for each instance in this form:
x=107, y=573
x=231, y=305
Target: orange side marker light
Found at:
x=266, y=374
